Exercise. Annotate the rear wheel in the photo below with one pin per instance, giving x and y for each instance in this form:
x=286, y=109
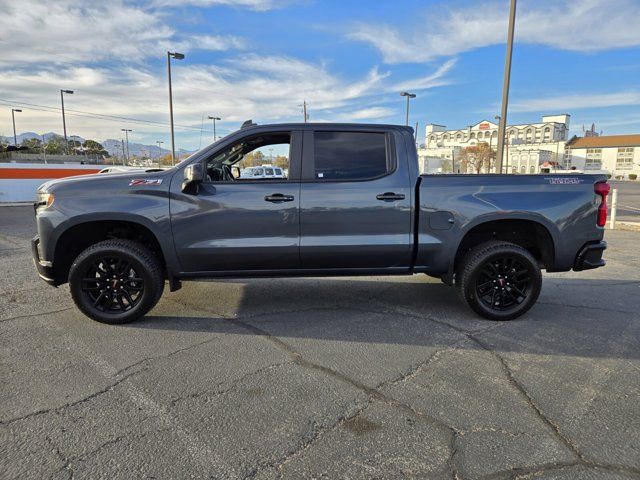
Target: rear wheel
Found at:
x=116, y=281
x=499, y=280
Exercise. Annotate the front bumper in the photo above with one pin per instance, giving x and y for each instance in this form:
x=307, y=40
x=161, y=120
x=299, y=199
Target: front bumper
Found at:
x=44, y=268
x=590, y=256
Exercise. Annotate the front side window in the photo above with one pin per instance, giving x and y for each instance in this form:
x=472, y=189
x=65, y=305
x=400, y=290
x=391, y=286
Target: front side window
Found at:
x=253, y=158
x=350, y=155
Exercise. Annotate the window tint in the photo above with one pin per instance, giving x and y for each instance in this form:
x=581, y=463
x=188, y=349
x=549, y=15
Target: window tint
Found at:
x=350, y=155
x=268, y=171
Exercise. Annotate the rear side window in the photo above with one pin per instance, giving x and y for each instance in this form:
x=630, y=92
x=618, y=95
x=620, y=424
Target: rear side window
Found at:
x=350, y=155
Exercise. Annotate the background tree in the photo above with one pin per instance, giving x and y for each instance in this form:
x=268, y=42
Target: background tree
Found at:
x=94, y=148
x=446, y=165
x=33, y=144
x=55, y=145
x=477, y=157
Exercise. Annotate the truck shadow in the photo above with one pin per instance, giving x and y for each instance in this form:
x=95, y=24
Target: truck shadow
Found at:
x=570, y=317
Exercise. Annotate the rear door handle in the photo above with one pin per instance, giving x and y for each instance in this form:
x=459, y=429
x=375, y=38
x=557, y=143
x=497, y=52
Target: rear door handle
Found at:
x=278, y=197
x=390, y=196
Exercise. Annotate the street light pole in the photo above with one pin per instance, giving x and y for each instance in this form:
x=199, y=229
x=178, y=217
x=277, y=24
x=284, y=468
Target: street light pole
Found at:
x=505, y=88
x=64, y=122
x=13, y=117
x=214, y=126
x=409, y=96
x=177, y=56
x=126, y=133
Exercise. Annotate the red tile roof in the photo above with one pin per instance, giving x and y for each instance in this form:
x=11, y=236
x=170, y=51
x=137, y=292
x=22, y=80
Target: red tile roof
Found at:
x=605, y=141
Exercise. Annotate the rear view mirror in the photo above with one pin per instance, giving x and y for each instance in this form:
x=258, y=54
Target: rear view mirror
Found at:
x=193, y=177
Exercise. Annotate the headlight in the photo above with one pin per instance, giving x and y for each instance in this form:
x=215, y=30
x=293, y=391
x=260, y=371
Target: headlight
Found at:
x=44, y=200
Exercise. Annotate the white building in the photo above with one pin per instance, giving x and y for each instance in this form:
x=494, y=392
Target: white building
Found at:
x=527, y=149
x=618, y=155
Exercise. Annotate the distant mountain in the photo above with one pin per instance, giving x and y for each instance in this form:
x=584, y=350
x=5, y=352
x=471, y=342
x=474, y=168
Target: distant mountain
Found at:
x=114, y=147
x=29, y=135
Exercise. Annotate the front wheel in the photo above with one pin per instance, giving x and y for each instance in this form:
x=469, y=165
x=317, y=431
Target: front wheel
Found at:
x=499, y=280
x=116, y=281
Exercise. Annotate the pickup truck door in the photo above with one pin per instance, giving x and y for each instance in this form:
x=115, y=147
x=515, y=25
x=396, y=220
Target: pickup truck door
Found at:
x=250, y=224
x=355, y=201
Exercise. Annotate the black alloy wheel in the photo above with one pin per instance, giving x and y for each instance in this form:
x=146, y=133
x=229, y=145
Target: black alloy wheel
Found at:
x=112, y=284
x=499, y=280
x=503, y=282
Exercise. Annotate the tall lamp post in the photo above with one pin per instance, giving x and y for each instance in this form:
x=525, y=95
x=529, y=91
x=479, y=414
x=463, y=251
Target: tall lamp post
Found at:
x=505, y=87
x=409, y=96
x=13, y=117
x=214, y=126
x=177, y=56
x=126, y=133
x=64, y=122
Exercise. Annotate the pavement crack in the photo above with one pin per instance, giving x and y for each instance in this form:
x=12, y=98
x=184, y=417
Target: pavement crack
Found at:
x=232, y=385
x=61, y=408
x=529, y=400
x=29, y=315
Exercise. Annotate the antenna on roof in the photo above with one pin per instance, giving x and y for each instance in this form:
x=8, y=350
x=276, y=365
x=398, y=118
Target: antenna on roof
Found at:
x=247, y=124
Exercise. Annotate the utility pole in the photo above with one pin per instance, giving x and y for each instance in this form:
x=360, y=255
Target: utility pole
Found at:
x=123, y=163
x=305, y=116
x=13, y=117
x=126, y=132
x=409, y=96
x=177, y=56
x=505, y=89
x=64, y=122
x=214, y=126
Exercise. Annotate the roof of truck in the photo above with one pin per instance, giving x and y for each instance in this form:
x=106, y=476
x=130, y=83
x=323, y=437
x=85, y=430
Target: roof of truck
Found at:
x=326, y=125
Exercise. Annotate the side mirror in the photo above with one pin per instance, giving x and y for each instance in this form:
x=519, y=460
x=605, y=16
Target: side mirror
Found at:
x=236, y=171
x=193, y=177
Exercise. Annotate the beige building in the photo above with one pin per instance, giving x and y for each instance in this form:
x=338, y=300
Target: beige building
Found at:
x=618, y=155
x=527, y=149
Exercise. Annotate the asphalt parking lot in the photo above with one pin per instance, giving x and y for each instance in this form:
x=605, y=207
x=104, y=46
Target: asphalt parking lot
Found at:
x=321, y=378
x=628, y=200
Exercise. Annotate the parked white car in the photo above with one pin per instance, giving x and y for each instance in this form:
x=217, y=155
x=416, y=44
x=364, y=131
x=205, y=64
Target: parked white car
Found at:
x=263, y=171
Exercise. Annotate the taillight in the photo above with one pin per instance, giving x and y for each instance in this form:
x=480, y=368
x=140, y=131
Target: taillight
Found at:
x=602, y=189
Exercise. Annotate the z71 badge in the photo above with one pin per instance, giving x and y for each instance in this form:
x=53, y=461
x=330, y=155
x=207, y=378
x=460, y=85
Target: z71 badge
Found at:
x=138, y=182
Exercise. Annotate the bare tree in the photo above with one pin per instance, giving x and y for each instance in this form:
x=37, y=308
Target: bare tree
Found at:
x=478, y=157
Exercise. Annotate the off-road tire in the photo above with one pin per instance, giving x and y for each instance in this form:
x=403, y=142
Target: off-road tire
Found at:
x=472, y=274
x=143, y=263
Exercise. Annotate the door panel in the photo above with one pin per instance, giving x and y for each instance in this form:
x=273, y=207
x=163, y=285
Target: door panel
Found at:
x=232, y=227
x=242, y=224
x=356, y=224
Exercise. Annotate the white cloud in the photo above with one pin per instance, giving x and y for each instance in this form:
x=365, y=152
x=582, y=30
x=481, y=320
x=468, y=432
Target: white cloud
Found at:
x=576, y=102
x=435, y=79
x=259, y=5
x=66, y=31
x=584, y=26
x=266, y=89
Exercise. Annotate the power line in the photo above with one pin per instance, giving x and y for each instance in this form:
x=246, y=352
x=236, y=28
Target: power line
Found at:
x=101, y=116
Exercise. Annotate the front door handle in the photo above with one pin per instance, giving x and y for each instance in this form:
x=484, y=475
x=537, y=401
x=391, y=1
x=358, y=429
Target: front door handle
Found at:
x=390, y=196
x=278, y=197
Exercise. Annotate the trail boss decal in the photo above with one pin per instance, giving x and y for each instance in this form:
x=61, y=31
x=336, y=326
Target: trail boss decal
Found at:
x=564, y=181
x=145, y=181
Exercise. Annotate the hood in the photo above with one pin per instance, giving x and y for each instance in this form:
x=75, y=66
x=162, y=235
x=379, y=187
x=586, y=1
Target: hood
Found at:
x=115, y=179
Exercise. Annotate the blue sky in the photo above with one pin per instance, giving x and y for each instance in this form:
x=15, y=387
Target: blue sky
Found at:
x=349, y=59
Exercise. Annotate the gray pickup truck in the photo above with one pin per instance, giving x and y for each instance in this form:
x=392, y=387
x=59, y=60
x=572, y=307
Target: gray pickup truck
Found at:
x=352, y=202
